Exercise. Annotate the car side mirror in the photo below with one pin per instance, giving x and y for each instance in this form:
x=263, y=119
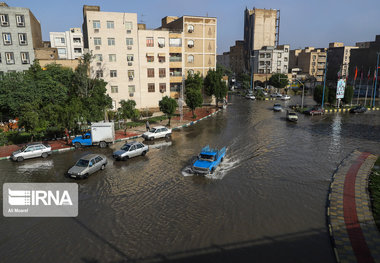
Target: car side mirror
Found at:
x=90, y=165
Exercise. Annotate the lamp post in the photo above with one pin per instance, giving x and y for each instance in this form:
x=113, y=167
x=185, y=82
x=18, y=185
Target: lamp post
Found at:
x=377, y=72
x=303, y=91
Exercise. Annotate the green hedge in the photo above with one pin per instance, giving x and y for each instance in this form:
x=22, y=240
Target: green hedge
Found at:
x=374, y=189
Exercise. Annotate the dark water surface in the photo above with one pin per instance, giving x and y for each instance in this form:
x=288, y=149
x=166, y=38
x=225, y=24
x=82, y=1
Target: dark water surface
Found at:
x=265, y=204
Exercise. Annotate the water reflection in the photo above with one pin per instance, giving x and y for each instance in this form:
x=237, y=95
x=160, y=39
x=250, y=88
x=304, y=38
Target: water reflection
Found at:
x=336, y=127
x=34, y=165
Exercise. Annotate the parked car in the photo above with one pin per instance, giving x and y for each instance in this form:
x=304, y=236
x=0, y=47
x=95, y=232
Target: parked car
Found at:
x=208, y=160
x=291, y=116
x=314, y=111
x=131, y=149
x=88, y=165
x=285, y=97
x=157, y=132
x=277, y=107
x=276, y=95
x=250, y=96
x=358, y=109
x=31, y=151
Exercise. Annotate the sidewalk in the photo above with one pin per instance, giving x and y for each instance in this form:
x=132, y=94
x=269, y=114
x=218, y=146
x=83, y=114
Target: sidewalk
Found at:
x=120, y=135
x=351, y=224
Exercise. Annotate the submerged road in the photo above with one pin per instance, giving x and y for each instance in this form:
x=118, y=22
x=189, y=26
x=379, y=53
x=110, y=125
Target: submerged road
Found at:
x=266, y=203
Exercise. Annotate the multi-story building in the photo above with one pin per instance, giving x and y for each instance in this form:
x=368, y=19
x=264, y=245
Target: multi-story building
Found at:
x=21, y=34
x=310, y=60
x=261, y=28
x=338, y=60
x=224, y=59
x=237, y=57
x=270, y=60
x=145, y=65
x=69, y=43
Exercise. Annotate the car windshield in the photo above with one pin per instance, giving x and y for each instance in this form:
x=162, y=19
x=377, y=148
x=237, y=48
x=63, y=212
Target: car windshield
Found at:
x=152, y=130
x=23, y=148
x=277, y=105
x=126, y=147
x=82, y=163
x=206, y=157
x=292, y=113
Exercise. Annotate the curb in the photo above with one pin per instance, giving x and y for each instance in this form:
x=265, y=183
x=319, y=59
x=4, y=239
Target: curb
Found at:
x=194, y=122
x=347, y=110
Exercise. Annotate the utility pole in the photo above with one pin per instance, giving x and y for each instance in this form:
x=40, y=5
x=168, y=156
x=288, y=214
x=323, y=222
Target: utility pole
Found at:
x=377, y=72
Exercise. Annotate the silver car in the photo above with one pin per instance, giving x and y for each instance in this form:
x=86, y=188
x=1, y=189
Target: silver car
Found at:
x=87, y=165
x=31, y=151
x=130, y=150
x=157, y=132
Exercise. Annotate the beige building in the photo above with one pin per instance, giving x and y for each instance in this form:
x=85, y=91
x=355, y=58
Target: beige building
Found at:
x=261, y=28
x=338, y=60
x=310, y=60
x=145, y=65
x=237, y=57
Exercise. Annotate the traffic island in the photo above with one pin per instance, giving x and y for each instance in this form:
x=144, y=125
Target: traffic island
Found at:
x=351, y=224
x=374, y=190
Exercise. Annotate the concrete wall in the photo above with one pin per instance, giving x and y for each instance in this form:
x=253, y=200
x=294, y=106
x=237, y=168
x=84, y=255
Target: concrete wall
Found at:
x=70, y=46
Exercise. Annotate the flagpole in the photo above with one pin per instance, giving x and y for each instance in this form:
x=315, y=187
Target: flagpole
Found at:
x=366, y=92
x=377, y=72
x=360, y=84
x=373, y=84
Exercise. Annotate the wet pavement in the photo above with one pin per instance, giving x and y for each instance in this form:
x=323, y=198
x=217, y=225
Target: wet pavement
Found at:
x=267, y=202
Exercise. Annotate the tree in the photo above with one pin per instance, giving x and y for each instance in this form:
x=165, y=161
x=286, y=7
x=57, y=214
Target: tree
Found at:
x=348, y=94
x=214, y=85
x=127, y=109
x=318, y=94
x=194, y=81
x=168, y=106
x=194, y=100
x=30, y=119
x=279, y=81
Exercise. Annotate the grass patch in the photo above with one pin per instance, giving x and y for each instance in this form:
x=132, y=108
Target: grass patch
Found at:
x=374, y=190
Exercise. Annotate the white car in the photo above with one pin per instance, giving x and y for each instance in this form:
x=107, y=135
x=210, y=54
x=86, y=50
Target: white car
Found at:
x=130, y=150
x=250, y=96
x=157, y=132
x=276, y=95
x=32, y=151
x=291, y=116
x=285, y=97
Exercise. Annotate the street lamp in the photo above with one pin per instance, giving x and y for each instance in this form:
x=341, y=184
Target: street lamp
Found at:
x=377, y=72
x=303, y=91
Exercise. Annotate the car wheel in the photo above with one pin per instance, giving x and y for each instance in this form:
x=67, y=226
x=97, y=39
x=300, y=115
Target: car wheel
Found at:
x=143, y=153
x=167, y=136
x=77, y=145
x=103, y=145
x=125, y=158
x=85, y=176
x=221, y=160
x=213, y=170
x=103, y=167
x=151, y=138
x=44, y=155
x=20, y=159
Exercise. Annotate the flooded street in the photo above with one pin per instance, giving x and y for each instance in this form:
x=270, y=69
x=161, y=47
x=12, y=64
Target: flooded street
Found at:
x=266, y=202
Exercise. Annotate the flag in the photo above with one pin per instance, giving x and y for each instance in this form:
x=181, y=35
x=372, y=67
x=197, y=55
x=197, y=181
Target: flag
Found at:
x=369, y=73
x=356, y=73
x=339, y=73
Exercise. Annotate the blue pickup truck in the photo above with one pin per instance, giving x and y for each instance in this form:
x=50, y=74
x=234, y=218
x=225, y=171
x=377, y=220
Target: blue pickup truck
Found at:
x=208, y=160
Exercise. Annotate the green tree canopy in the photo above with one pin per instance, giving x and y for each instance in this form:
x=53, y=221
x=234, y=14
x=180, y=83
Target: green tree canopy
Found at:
x=348, y=94
x=318, y=94
x=214, y=85
x=279, y=80
x=168, y=106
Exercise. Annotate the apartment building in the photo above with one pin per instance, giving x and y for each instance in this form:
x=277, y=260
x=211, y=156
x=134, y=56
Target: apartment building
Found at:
x=310, y=60
x=21, y=34
x=269, y=60
x=338, y=60
x=69, y=43
x=261, y=28
x=237, y=57
x=224, y=59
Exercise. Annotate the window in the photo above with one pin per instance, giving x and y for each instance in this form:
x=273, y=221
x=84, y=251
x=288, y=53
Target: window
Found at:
x=175, y=42
x=150, y=72
x=268, y=71
x=78, y=50
x=131, y=88
x=279, y=55
x=129, y=41
x=112, y=57
x=190, y=59
x=314, y=57
x=161, y=42
x=59, y=41
x=77, y=40
x=190, y=43
x=313, y=63
x=149, y=58
x=130, y=57
x=267, y=63
x=111, y=41
x=268, y=55
x=98, y=57
x=113, y=73
x=7, y=39
x=262, y=55
x=261, y=71
x=110, y=25
x=286, y=50
x=114, y=89
x=97, y=41
x=176, y=72
x=278, y=63
x=175, y=57
x=24, y=57
x=61, y=51
x=4, y=20
x=22, y=39
x=150, y=87
x=175, y=87
x=162, y=87
x=96, y=24
x=99, y=73
x=162, y=72
x=285, y=59
x=190, y=28
x=161, y=58
x=261, y=63
x=191, y=72
x=128, y=26
x=149, y=42
x=20, y=20
x=131, y=74
x=10, y=59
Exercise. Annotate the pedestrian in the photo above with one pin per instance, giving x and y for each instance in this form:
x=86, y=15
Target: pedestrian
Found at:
x=147, y=126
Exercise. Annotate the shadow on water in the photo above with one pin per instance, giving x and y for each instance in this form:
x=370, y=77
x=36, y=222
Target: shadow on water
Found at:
x=264, y=249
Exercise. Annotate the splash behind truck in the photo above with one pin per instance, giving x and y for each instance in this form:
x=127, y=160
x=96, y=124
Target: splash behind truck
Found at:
x=208, y=160
x=102, y=134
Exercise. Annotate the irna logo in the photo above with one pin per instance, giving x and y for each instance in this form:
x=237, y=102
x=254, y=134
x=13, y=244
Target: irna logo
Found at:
x=39, y=197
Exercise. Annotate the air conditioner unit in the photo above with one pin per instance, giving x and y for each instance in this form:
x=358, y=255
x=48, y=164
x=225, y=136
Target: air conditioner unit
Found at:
x=7, y=42
x=130, y=94
x=129, y=63
x=4, y=23
x=20, y=23
x=10, y=61
x=130, y=78
x=22, y=42
x=97, y=47
x=25, y=61
x=129, y=31
x=190, y=46
x=162, y=90
x=129, y=47
x=190, y=31
x=98, y=63
x=171, y=73
x=161, y=45
x=96, y=30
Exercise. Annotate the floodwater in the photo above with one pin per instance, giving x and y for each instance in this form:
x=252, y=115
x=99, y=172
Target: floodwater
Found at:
x=266, y=203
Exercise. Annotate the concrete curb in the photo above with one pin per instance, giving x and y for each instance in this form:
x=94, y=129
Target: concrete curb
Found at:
x=194, y=122
x=347, y=110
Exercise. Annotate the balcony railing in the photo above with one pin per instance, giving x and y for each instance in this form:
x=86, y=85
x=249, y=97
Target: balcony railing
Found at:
x=175, y=59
